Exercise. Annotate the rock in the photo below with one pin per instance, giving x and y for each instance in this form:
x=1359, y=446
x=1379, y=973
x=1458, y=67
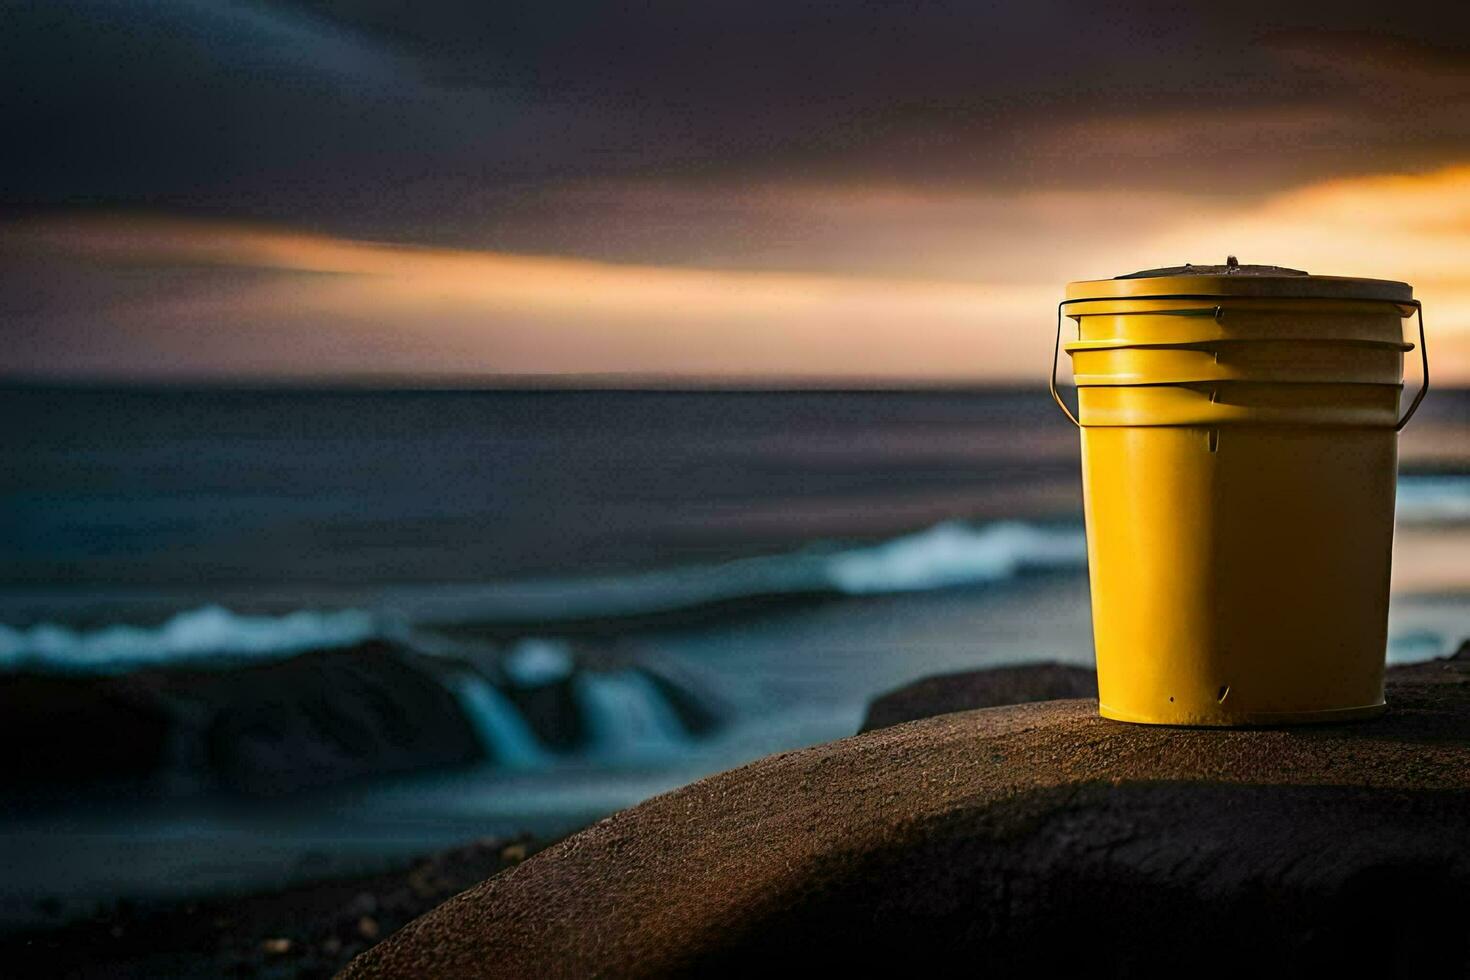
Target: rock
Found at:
x=555, y=713
x=332, y=716
x=989, y=688
x=78, y=730
x=695, y=712
x=992, y=687
x=260, y=729
x=263, y=729
x=552, y=712
x=1018, y=840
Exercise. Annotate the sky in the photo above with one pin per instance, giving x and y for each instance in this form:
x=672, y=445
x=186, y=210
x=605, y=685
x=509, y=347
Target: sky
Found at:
x=755, y=190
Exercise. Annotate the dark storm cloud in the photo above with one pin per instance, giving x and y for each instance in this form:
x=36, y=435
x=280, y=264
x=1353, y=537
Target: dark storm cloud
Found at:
x=459, y=121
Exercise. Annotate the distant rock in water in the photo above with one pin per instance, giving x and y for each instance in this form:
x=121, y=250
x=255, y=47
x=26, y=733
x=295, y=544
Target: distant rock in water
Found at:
x=695, y=713
x=323, y=717
x=314, y=719
x=334, y=715
x=990, y=688
x=611, y=706
x=551, y=710
x=65, y=730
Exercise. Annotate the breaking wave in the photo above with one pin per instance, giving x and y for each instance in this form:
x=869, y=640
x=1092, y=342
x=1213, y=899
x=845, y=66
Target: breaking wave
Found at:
x=628, y=717
x=1434, y=499
x=500, y=727
x=947, y=555
x=197, y=634
x=954, y=554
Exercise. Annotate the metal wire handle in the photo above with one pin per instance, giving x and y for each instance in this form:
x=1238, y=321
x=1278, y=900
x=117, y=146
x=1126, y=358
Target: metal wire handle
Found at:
x=1423, y=360
x=1056, y=353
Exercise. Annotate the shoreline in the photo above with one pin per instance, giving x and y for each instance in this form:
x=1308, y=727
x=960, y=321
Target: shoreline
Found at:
x=307, y=930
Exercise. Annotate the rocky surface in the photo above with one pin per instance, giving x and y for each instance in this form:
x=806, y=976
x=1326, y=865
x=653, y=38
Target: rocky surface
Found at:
x=944, y=693
x=1030, y=838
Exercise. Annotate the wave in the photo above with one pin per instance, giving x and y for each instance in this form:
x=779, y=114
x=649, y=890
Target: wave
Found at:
x=1441, y=499
x=944, y=556
x=954, y=554
x=503, y=731
x=628, y=717
x=198, y=634
x=947, y=555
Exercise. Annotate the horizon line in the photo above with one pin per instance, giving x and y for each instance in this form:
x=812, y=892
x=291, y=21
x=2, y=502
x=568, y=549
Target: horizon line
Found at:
x=568, y=381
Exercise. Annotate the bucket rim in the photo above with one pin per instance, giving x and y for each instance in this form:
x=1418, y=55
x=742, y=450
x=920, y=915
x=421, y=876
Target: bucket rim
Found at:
x=1274, y=287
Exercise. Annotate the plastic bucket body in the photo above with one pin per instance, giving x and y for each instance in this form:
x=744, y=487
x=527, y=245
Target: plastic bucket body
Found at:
x=1239, y=508
x=1239, y=575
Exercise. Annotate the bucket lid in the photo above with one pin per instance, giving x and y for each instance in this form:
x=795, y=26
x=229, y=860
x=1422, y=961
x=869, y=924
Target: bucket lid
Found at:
x=1234, y=279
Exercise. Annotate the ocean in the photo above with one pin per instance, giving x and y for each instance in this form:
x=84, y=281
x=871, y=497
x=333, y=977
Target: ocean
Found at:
x=618, y=591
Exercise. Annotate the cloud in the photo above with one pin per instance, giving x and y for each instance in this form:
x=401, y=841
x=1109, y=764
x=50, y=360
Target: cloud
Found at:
x=940, y=285
x=1384, y=63
x=436, y=123
x=311, y=305
x=1413, y=227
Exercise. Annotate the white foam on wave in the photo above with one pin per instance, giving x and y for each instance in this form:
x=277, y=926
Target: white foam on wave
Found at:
x=946, y=555
x=535, y=662
x=950, y=554
x=1433, y=499
x=953, y=553
x=628, y=718
x=499, y=725
x=194, y=635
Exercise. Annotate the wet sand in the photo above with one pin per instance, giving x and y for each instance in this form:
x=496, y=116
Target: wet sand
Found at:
x=311, y=930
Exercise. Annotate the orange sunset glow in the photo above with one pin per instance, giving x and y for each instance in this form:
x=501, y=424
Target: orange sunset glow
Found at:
x=316, y=304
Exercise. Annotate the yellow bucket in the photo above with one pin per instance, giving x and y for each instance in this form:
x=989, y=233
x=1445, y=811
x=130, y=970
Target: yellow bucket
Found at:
x=1239, y=450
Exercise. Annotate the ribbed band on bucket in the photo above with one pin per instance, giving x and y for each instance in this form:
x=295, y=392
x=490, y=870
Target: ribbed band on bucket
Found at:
x=1240, y=403
x=1185, y=321
x=1286, y=361
x=1232, y=344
